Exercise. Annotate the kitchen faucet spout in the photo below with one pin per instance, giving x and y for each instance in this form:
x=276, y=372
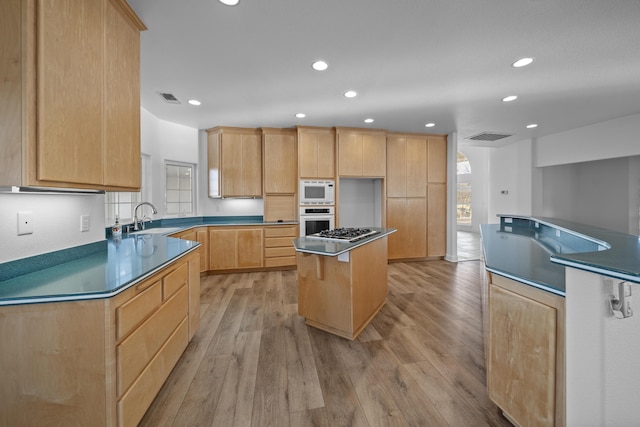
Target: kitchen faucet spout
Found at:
x=139, y=223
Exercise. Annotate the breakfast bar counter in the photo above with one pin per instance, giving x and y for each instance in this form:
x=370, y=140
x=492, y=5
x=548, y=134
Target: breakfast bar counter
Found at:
x=342, y=285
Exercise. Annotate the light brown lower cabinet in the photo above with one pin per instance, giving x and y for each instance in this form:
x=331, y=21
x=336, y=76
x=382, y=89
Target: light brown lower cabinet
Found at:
x=526, y=353
x=234, y=248
x=200, y=235
x=278, y=246
x=97, y=362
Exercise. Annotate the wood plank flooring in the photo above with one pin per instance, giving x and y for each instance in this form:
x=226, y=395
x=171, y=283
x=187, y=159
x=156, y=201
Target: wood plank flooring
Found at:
x=254, y=362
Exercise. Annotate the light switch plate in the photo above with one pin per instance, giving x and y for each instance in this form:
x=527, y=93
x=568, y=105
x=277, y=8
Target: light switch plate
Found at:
x=85, y=223
x=25, y=223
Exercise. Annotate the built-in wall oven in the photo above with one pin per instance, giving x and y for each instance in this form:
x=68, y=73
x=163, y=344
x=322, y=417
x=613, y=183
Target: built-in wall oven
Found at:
x=314, y=219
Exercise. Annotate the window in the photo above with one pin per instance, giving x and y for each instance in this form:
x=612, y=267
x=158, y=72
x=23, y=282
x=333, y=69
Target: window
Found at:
x=464, y=190
x=180, y=188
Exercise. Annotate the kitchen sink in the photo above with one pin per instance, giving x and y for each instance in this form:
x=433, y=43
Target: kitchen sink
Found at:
x=159, y=230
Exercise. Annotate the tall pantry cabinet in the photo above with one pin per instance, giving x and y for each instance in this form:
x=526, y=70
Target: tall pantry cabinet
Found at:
x=416, y=195
x=70, y=94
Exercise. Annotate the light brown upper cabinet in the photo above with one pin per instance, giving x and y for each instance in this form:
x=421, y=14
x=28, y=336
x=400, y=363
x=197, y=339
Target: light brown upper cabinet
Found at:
x=73, y=92
x=316, y=152
x=280, y=161
x=437, y=159
x=361, y=152
x=406, y=166
x=235, y=162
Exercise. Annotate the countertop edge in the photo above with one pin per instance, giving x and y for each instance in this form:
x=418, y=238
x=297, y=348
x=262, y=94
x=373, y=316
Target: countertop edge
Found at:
x=350, y=248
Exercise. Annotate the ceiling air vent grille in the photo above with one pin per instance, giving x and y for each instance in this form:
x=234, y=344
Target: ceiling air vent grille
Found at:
x=168, y=97
x=489, y=136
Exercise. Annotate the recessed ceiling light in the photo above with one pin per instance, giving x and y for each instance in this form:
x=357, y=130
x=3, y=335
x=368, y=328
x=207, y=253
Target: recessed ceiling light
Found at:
x=522, y=62
x=429, y=125
x=509, y=98
x=532, y=125
x=350, y=94
x=194, y=102
x=368, y=120
x=301, y=115
x=319, y=65
x=230, y=2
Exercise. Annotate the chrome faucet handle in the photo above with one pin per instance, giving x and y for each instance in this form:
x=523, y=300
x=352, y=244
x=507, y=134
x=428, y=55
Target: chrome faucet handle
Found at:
x=145, y=219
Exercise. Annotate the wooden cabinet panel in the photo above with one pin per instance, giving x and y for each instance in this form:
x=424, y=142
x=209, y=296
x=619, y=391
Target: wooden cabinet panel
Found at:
x=121, y=101
x=277, y=231
x=134, y=311
x=137, y=350
x=316, y=152
x=194, y=295
x=222, y=249
x=396, y=168
x=361, y=152
x=70, y=67
x=409, y=217
x=437, y=159
x=437, y=219
x=135, y=402
x=234, y=162
x=416, y=167
x=279, y=208
x=202, y=236
x=374, y=157
x=278, y=246
x=280, y=161
x=521, y=365
x=250, y=248
x=72, y=84
x=175, y=280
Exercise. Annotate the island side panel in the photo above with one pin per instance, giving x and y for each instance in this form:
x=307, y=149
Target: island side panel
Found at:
x=368, y=281
x=324, y=293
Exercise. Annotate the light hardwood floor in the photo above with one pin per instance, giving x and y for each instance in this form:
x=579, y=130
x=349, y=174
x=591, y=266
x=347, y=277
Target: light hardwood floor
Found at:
x=254, y=362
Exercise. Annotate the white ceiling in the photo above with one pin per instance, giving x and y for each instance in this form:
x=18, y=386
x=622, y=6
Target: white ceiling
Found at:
x=411, y=62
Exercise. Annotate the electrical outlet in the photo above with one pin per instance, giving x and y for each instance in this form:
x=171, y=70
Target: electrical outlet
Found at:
x=85, y=224
x=25, y=223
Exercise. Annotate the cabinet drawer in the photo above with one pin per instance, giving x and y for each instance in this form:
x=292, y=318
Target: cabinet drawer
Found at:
x=135, y=402
x=135, y=352
x=276, y=252
x=134, y=311
x=279, y=231
x=278, y=242
x=174, y=280
x=280, y=261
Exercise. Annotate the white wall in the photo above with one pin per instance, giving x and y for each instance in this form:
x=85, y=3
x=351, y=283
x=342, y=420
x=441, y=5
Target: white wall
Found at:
x=56, y=223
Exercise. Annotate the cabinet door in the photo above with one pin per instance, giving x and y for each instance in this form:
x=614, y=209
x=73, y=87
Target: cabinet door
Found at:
x=396, y=167
x=326, y=156
x=70, y=70
x=121, y=102
x=437, y=158
x=416, y=167
x=437, y=220
x=231, y=165
x=250, y=244
x=521, y=366
x=374, y=155
x=202, y=236
x=350, y=154
x=396, y=218
x=409, y=217
x=251, y=165
x=280, y=164
x=222, y=249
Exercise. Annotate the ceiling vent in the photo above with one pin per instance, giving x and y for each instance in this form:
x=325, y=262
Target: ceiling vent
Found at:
x=489, y=136
x=168, y=97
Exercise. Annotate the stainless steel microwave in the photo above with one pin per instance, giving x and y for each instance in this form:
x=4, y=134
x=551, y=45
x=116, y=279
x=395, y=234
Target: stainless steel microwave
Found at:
x=317, y=192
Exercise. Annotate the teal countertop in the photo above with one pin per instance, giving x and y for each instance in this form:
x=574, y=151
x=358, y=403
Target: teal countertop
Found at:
x=535, y=251
x=109, y=268
x=331, y=248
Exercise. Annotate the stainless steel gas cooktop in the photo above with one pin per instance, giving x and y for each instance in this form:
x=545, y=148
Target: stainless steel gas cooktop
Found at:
x=343, y=234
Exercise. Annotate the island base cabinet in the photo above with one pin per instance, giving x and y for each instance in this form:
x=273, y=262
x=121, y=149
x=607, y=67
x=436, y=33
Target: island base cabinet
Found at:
x=525, y=357
x=342, y=294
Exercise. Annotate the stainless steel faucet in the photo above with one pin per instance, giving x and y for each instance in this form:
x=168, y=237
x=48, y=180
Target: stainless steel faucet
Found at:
x=140, y=223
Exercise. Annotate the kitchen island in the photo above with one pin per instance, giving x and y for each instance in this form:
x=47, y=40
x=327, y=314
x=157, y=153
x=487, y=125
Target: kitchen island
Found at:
x=342, y=285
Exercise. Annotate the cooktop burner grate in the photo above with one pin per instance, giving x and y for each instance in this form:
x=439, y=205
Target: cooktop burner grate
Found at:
x=343, y=234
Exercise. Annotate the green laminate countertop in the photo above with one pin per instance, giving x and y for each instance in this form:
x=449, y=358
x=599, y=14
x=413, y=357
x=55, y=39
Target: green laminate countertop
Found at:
x=332, y=248
x=536, y=251
x=113, y=267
